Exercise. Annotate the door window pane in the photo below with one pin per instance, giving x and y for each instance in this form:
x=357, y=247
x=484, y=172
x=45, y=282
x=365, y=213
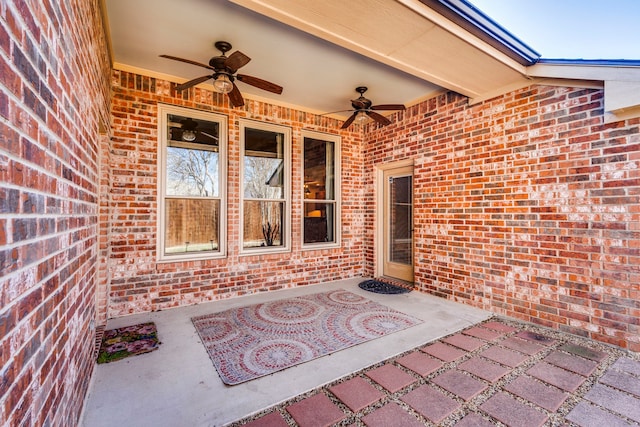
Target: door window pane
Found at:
x=401, y=212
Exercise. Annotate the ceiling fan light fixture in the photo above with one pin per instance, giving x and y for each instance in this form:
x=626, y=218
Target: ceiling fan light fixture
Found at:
x=362, y=117
x=223, y=84
x=188, y=135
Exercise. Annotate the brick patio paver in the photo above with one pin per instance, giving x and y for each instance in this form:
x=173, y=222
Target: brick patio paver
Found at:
x=273, y=419
x=391, y=415
x=315, y=411
x=443, y=351
x=522, y=346
x=622, y=381
x=391, y=377
x=461, y=385
x=474, y=420
x=483, y=333
x=484, y=369
x=504, y=356
x=556, y=376
x=615, y=400
x=587, y=415
x=511, y=412
x=420, y=363
x=588, y=353
x=499, y=326
x=464, y=342
x=356, y=393
x=545, y=396
x=584, y=367
x=627, y=365
x=537, y=338
x=430, y=403
x=543, y=382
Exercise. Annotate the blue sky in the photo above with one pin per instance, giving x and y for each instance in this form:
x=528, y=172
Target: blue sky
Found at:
x=571, y=29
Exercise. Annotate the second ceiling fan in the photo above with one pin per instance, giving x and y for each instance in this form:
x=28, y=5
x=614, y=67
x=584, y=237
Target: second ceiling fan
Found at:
x=363, y=106
x=224, y=74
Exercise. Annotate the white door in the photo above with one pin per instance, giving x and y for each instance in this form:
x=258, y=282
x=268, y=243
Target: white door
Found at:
x=398, y=223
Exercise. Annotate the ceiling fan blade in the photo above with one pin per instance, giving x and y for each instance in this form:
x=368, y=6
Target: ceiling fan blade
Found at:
x=235, y=97
x=350, y=120
x=188, y=61
x=236, y=60
x=334, y=112
x=208, y=135
x=187, y=85
x=260, y=84
x=389, y=107
x=378, y=118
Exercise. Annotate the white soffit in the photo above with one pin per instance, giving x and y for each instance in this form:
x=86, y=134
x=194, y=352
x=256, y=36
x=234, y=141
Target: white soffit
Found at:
x=404, y=34
x=621, y=84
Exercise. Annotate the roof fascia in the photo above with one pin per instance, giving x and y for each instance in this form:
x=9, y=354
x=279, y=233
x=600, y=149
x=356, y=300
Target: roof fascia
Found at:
x=467, y=16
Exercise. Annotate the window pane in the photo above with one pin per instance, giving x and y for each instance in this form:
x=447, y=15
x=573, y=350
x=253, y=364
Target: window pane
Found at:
x=263, y=224
x=263, y=164
x=192, y=172
x=401, y=211
x=191, y=225
x=319, y=169
x=193, y=131
x=319, y=219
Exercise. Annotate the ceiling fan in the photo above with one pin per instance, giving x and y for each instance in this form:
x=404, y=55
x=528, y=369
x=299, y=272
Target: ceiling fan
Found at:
x=362, y=107
x=187, y=130
x=224, y=74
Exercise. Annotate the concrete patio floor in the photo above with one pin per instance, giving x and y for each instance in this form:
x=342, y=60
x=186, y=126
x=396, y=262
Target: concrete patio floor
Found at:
x=460, y=367
x=177, y=385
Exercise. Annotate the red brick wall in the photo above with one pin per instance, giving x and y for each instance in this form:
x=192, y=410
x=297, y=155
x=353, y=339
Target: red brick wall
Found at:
x=526, y=205
x=137, y=283
x=54, y=90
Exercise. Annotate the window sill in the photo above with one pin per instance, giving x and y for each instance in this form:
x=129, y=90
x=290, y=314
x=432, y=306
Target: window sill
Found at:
x=190, y=257
x=320, y=246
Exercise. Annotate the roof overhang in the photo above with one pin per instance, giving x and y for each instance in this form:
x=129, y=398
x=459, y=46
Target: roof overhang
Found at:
x=619, y=78
x=446, y=42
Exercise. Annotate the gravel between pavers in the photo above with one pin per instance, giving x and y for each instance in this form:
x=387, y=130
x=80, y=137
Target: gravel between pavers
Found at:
x=556, y=418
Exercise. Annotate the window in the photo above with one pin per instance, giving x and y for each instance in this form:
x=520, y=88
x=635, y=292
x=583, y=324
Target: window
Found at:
x=191, y=184
x=321, y=190
x=266, y=174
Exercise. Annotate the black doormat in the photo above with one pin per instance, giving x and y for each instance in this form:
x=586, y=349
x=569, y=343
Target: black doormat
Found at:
x=382, y=288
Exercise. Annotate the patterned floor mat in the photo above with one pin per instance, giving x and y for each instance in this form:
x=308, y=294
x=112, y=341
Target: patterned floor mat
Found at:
x=128, y=341
x=250, y=342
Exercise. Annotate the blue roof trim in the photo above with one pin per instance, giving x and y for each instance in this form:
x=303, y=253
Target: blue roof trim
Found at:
x=475, y=21
x=594, y=62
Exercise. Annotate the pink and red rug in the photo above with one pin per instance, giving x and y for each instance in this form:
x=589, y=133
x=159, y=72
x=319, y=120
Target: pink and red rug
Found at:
x=249, y=342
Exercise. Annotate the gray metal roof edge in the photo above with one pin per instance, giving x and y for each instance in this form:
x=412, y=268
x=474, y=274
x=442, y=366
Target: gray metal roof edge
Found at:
x=591, y=62
x=475, y=21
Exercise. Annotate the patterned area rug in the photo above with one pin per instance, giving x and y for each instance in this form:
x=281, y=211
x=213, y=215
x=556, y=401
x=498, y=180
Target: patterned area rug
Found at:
x=250, y=342
x=128, y=341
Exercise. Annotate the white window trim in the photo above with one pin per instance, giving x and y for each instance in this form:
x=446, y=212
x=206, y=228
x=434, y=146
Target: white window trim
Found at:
x=337, y=140
x=163, y=111
x=286, y=232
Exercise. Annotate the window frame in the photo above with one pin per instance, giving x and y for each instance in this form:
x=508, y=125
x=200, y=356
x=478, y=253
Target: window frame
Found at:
x=286, y=190
x=337, y=180
x=164, y=111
